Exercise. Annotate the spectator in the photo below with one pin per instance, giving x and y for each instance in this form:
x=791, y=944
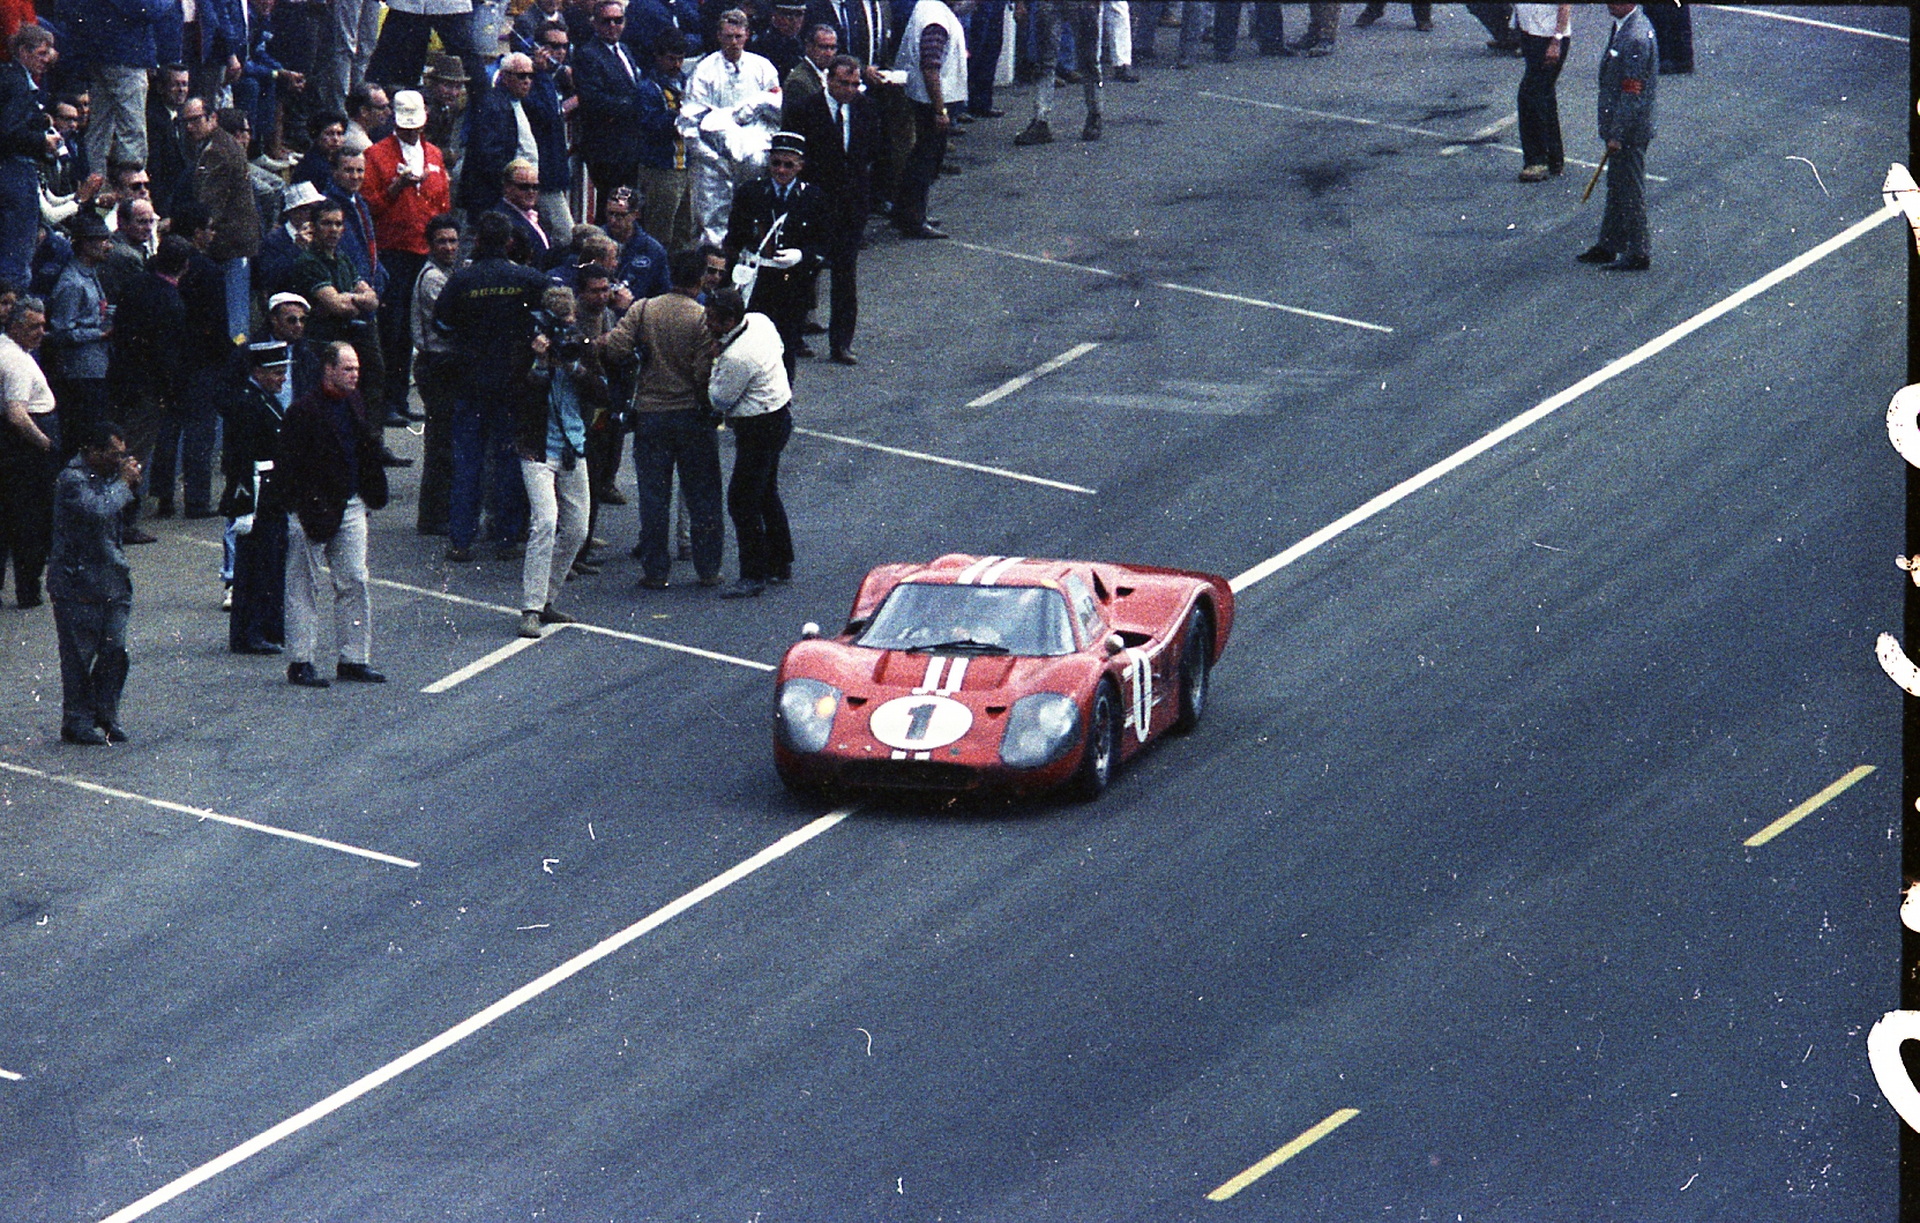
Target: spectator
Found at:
x=595, y=316
x=749, y=388
x=91, y=584
x=511, y=123
x=330, y=475
x=287, y=241
x=369, y=117
x=402, y=50
x=553, y=100
x=79, y=328
x=1628, y=73
x=778, y=228
x=665, y=183
x=933, y=53
x=263, y=78
x=642, y=270
x=253, y=412
x=287, y=322
x=843, y=137
x=167, y=162
x=520, y=190
x=405, y=187
x=326, y=135
x=148, y=373
x=220, y=181
x=986, y=31
x=134, y=241
x=556, y=387
x=214, y=44
x=671, y=431
x=205, y=348
x=610, y=84
x=1116, y=28
x=1545, y=33
x=809, y=76
x=539, y=17
x=29, y=450
x=727, y=118
x=1323, y=32
x=360, y=243
x=436, y=371
x=26, y=136
x=779, y=44
x=344, y=304
x=1084, y=15
x=486, y=310
x=1672, y=35
x=119, y=42
x=350, y=46
x=648, y=21
x=446, y=86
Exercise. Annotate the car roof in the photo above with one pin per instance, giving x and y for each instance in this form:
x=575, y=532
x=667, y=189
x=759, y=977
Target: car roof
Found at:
x=962, y=569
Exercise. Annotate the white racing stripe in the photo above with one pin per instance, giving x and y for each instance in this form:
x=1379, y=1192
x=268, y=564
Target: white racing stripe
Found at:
x=459, y=1032
x=994, y=573
x=935, y=665
x=971, y=573
x=1406, y=488
x=202, y=813
x=956, y=675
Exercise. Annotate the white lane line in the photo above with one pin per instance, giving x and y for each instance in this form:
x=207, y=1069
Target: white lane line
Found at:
x=460, y=1031
x=203, y=813
x=945, y=462
x=1547, y=407
x=1176, y=288
x=1481, y=136
x=1031, y=376
x=481, y=664
x=11, y=1077
x=504, y=652
x=1452, y=138
x=1825, y=25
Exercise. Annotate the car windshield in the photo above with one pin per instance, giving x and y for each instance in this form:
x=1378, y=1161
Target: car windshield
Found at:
x=1025, y=620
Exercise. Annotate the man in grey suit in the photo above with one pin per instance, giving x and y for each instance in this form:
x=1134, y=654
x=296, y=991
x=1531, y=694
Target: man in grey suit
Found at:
x=1628, y=71
x=91, y=584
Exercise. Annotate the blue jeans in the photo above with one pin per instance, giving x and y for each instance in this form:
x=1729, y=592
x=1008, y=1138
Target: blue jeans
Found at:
x=684, y=440
x=484, y=458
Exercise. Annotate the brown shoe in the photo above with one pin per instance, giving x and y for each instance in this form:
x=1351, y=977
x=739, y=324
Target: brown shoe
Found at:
x=1534, y=174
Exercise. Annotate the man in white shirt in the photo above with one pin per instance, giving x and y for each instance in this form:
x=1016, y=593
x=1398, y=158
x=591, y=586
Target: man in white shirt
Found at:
x=728, y=116
x=29, y=449
x=749, y=387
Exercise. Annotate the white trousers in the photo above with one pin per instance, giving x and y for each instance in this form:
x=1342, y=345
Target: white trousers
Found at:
x=557, y=504
x=1116, y=26
x=713, y=179
x=346, y=554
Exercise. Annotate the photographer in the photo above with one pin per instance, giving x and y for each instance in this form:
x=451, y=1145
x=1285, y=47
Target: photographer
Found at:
x=552, y=442
x=748, y=386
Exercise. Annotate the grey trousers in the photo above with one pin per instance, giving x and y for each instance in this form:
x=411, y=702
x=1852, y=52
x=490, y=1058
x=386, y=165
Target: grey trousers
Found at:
x=93, y=661
x=350, y=43
x=557, y=502
x=118, y=133
x=346, y=553
x=1623, y=230
x=1084, y=18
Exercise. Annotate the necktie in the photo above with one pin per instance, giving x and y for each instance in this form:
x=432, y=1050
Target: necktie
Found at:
x=840, y=119
x=626, y=63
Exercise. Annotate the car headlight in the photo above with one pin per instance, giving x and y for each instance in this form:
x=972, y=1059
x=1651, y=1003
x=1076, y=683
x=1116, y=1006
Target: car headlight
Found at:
x=1040, y=730
x=804, y=713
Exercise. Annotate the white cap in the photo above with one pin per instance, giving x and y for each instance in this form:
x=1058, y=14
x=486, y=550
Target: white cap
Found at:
x=299, y=195
x=280, y=299
x=409, y=110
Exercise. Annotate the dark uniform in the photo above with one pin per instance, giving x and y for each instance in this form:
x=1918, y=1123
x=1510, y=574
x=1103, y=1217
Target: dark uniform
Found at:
x=253, y=417
x=783, y=295
x=1628, y=71
x=92, y=590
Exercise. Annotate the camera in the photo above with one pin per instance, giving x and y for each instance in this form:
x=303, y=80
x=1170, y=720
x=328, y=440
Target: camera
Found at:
x=564, y=339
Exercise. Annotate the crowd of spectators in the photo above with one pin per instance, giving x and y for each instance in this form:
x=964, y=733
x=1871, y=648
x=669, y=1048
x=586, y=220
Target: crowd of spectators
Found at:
x=518, y=224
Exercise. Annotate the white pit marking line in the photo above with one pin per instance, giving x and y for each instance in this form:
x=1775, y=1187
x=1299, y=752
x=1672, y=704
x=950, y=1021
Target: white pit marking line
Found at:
x=1031, y=376
x=1825, y=25
x=460, y=1031
x=946, y=462
x=1547, y=407
x=1176, y=288
x=481, y=664
x=203, y=813
x=1453, y=141
x=11, y=1077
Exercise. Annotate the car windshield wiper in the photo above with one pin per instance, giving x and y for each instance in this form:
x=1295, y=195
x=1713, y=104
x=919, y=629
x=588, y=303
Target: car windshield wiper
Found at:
x=959, y=645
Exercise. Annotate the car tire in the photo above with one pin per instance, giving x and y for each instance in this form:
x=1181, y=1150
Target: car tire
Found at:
x=1101, y=755
x=1196, y=671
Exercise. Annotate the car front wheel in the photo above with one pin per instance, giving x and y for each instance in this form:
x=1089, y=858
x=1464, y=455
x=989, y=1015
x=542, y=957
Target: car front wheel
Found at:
x=1102, y=751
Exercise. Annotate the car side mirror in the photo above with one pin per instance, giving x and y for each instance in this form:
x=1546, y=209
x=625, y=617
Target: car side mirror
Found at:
x=1114, y=644
x=809, y=631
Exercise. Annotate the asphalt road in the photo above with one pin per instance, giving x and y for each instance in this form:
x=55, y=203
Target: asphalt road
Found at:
x=1451, y=887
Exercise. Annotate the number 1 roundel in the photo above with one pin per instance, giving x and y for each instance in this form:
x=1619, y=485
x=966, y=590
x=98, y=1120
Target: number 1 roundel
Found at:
x=920, y=723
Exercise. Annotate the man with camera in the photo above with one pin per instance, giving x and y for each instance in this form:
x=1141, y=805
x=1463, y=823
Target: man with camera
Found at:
x=550, y=399
x=91, y=584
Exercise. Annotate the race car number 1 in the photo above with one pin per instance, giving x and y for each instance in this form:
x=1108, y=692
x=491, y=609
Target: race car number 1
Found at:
x=920, y=723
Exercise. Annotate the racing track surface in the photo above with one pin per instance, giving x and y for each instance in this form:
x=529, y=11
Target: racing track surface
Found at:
x=1460, y=846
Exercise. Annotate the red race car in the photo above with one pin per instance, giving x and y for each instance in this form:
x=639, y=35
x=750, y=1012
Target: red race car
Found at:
x=998, y=673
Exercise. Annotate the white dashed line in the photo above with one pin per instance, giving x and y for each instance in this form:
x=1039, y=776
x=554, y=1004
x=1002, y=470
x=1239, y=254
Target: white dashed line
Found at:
x=203, y=813
x=1031, y=376
x=1545, y=408
x=481, y=664
x=459, y=1032
x=946, y=462
x=1236, y=298
x=11, y=1077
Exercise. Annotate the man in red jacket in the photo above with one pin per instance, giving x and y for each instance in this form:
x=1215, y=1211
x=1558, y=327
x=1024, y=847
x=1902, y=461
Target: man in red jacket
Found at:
x=406, y=186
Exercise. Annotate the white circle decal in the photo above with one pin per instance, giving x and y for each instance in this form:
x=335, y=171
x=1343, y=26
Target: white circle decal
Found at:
x=920, y=723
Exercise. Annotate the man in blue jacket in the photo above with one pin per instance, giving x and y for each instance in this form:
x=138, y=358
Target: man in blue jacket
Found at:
x=1628, y=71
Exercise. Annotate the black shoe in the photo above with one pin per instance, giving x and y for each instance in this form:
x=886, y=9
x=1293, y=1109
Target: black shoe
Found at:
x=1127, y=75
x=389, y=459
x=637, y=552
x=357, y=673
x=1595, y=254
x=743, y=589
x=992, y=112
x=802, y=349
x=303, y=675
x=114, y=732
x=654, y=583
x=460, y=555
x=842, y=357
x=813, y=329
x=552, y=615
x=85, y=736
x=199, y=513
x=134, y=535
x=923, y=230
x=30, y=597
x=1625, y=263
x=613, y=496
x=256, y=647
x=1366, y=18
x=1277, y=49
x=396, y=419
x=1092, y=129
x=780, y=577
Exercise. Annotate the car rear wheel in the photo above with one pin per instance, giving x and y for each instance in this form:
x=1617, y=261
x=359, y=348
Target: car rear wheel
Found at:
x=1196, y=670
x=1102, y=752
